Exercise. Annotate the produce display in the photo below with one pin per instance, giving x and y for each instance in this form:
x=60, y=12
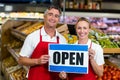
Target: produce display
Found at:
x=15, y=43
x=32, y=28
x=8, y=62
x=110, y=73
x=7, y=66
x=24, y=25
x=19, y=74
x=102, y=39
x=97, y=37
x=70, y=38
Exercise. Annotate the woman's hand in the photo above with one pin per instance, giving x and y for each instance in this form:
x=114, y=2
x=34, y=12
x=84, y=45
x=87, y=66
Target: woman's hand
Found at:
x=91, y=54
x=63, y=75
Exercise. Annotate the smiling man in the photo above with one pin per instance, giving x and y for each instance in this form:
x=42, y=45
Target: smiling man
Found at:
x=34, y=52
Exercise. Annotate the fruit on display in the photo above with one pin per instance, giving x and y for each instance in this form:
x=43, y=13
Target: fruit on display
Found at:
x=15, y=43
x=24, y=25
x=102, y=39
x=8, y=62
x=110, y=73
x=71, y=39
x=32, y=28
x=97, y=37
x=19, y=74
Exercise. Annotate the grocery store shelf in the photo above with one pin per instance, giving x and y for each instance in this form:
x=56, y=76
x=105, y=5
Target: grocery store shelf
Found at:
x=27, y=19
x=111, y=50
x=26, y=68
x=92, y=14
x=18, y=34
x=110, y=63
x=13, y=53
x=16, y=55
x=94, y=10
x=22, y=36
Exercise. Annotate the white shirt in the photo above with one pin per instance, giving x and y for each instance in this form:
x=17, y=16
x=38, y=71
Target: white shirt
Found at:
x=33, y=39
x=99, y=58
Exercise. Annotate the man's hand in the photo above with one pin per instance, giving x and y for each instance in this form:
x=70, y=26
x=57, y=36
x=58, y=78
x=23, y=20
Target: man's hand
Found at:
x=43, y=59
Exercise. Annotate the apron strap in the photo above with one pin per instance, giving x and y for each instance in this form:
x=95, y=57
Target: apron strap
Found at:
x=57, y=39
x=40, y=36
x=91, y=44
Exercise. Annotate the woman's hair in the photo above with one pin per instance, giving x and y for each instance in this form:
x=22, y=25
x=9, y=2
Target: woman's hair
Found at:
x=83, y=19
x=53, y=7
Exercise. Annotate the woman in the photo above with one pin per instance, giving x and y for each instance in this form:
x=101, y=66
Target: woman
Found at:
x=96, y=59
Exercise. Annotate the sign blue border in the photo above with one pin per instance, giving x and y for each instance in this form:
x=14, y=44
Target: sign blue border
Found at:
x=70, y=47
x=68, y=69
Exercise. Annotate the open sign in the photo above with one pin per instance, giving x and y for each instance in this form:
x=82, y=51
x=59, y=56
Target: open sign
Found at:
x=71, y=58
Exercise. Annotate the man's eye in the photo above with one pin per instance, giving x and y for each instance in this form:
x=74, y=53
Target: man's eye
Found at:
x=51, y=14
x=57, y=16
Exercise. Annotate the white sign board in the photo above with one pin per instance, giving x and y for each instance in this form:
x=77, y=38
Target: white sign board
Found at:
x=71, y=58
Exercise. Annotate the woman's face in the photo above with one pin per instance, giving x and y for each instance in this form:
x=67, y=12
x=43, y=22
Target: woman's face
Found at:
x=52, y=18
x=82, y=29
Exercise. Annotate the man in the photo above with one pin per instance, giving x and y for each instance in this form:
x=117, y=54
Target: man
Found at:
x=34, y=52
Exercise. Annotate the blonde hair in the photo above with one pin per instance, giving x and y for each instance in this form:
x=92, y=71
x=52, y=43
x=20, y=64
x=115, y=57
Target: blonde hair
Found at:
x=83, y=19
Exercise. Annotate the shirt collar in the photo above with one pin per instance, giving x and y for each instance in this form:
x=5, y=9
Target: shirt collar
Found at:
x=44, y=33
x=88, y=43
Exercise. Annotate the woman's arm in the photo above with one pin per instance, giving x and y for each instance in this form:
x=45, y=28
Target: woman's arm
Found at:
x=98, y=69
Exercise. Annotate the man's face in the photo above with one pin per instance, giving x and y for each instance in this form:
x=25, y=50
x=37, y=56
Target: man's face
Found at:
x=51, y=18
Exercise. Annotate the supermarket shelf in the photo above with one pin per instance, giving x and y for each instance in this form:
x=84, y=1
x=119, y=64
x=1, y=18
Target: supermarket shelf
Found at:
x=26, y=68
x=110, y=63
x=27, y=19
x=18, y=34
x=11, y=78
x=22, y=37
x=13, y=53
x=16, y=55
x=111, y=50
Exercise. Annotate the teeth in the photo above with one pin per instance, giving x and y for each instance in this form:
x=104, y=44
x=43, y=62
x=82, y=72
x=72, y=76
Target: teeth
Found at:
x=81, y=34
x=52, y=21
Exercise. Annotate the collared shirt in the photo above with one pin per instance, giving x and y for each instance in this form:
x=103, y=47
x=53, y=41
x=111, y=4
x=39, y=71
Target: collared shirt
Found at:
x=33, y=39
x=99, y=58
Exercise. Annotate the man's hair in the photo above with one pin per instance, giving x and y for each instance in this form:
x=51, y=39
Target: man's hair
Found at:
x=52, y=7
